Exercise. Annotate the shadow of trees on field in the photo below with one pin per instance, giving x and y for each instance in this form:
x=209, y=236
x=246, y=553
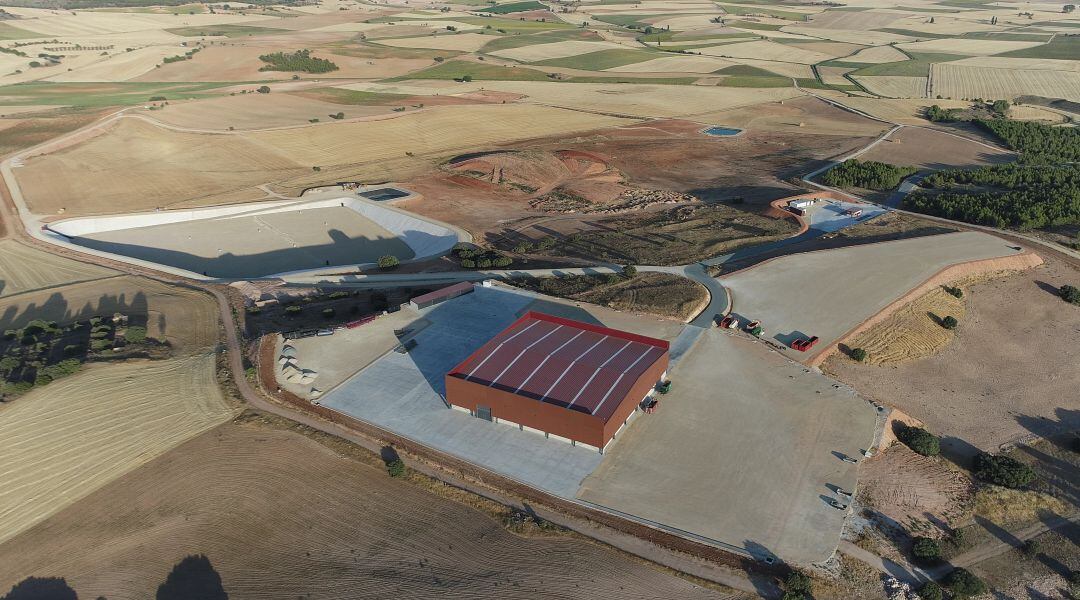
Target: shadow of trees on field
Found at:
x=58, y=308
x=193, y=578
x=41, y=588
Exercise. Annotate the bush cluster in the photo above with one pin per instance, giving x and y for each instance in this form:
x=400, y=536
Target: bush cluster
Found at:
x=301, y=60
x=798, y=586
x=949, y=322
x=920, y=440
x=964, y=584
x=1003, y=470
x=926, y=549
x=858, y=354
x=472, y=257
x=1070, y=294
x=388, y=261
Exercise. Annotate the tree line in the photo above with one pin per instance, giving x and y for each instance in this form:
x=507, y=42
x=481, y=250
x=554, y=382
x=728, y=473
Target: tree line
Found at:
x=1042, y=190
x=871, y=175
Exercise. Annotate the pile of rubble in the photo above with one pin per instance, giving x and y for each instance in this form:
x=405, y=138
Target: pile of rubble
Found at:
x=564, y=201
x=290, y=371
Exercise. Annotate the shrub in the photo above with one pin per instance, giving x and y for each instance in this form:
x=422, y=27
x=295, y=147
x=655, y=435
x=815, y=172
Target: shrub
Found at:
x=963, y=583
x=955, y=292
x=949, y=322
x=1070, y=294
x=920, y=440
x=797, y=586
x=502, y=261
x=858, y=354
x=263, y=89
x=629, y=270
x=468, y=263
x=926, y=549
x=466, y=78
x=158, y=98
x=1003, y=470
x=1030, y=548
x=396, y=467
x=388, y=261
x=523, y=247
x=931, y=591
x=135, y=335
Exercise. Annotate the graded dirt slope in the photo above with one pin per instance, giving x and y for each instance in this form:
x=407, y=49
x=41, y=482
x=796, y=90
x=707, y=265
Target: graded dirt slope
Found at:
x=1012, y=365
x=24, y=269
x=280, y=515
x=66, y=439
x=186, y=319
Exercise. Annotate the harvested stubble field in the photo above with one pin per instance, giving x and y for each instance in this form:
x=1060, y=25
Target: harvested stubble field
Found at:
x=876, y=55
x=1013, y=360
x=256, y=111
x=73, y=436
x=186, y=319
x=281, y=515
x=539, y=52
x=964, y=81
x=139, y=166
x=675, y=64
x=894, y=86
x=969, y=47
x=24, y=269
x=766, y=50
x=464, y=42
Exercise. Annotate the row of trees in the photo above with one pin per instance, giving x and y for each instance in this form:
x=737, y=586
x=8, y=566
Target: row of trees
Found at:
x=301, y=60
x=1037, y=142
x=1031, y=208
x=871, y=175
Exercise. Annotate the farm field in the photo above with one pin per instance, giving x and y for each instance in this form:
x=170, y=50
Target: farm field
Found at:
x=1018, y=364
x=876, y=55
x=930, y=149
x=465, y=42
x=235, y=494
x=963, y=81
x=894, y=86
x=257, y=111
x=24, y=269
x=75, y=435
x=166, y=168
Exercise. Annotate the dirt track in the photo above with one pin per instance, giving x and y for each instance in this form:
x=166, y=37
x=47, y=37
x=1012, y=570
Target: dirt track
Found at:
x=280, y=515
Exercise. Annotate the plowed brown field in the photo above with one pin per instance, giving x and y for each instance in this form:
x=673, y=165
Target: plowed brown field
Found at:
x=281, y=516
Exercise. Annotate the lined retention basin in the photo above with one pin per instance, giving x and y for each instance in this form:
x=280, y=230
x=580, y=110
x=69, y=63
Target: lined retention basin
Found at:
x=718, y=131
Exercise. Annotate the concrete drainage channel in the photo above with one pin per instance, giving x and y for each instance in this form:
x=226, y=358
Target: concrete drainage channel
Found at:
x=264, y=239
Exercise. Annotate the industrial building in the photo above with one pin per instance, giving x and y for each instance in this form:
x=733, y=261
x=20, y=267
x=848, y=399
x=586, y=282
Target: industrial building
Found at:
x=564, y=379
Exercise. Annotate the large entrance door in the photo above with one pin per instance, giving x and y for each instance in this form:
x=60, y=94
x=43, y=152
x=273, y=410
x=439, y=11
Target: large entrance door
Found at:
x=483, y=412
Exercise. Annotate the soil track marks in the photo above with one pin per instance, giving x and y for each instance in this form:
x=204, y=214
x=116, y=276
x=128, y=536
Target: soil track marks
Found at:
x=64, y=440
x=23, y=269
x=280, y=515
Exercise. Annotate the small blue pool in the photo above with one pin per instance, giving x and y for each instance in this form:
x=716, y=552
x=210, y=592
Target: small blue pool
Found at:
x=722, y=131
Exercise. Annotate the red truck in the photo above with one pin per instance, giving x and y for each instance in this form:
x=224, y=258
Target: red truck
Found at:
x=803, y=345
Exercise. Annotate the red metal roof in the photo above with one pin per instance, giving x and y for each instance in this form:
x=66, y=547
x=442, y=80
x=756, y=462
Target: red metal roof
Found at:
x=576, y=365
x=449, y=290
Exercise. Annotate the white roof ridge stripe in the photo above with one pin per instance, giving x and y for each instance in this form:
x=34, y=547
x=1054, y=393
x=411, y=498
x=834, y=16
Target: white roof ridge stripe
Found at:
x=595, y=373
x=571, y=366
x=648, y=351
x=496, y=349
x=522, y=353
x=547, y=358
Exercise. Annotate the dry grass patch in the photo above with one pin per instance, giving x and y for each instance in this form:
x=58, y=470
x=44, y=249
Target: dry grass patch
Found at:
x=122, y=66
x=861, y=19
x=1004, y=506
x=24, y=269
x=75, y=435
x=911, y=332
x=969, y=47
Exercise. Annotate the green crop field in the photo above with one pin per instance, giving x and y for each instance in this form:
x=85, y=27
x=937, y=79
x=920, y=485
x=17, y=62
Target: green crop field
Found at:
x=10, y=32
x=94, y=95
x=1062, y=48
x=604, y=59
x=917, y=66
x=225, y=30
x=456, y=69
x=519, y=41
x=512, y=7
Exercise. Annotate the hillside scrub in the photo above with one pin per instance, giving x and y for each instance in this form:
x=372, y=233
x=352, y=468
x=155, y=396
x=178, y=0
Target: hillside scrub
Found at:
x=871, y=175
x=1003, y=470
x=301, y=60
